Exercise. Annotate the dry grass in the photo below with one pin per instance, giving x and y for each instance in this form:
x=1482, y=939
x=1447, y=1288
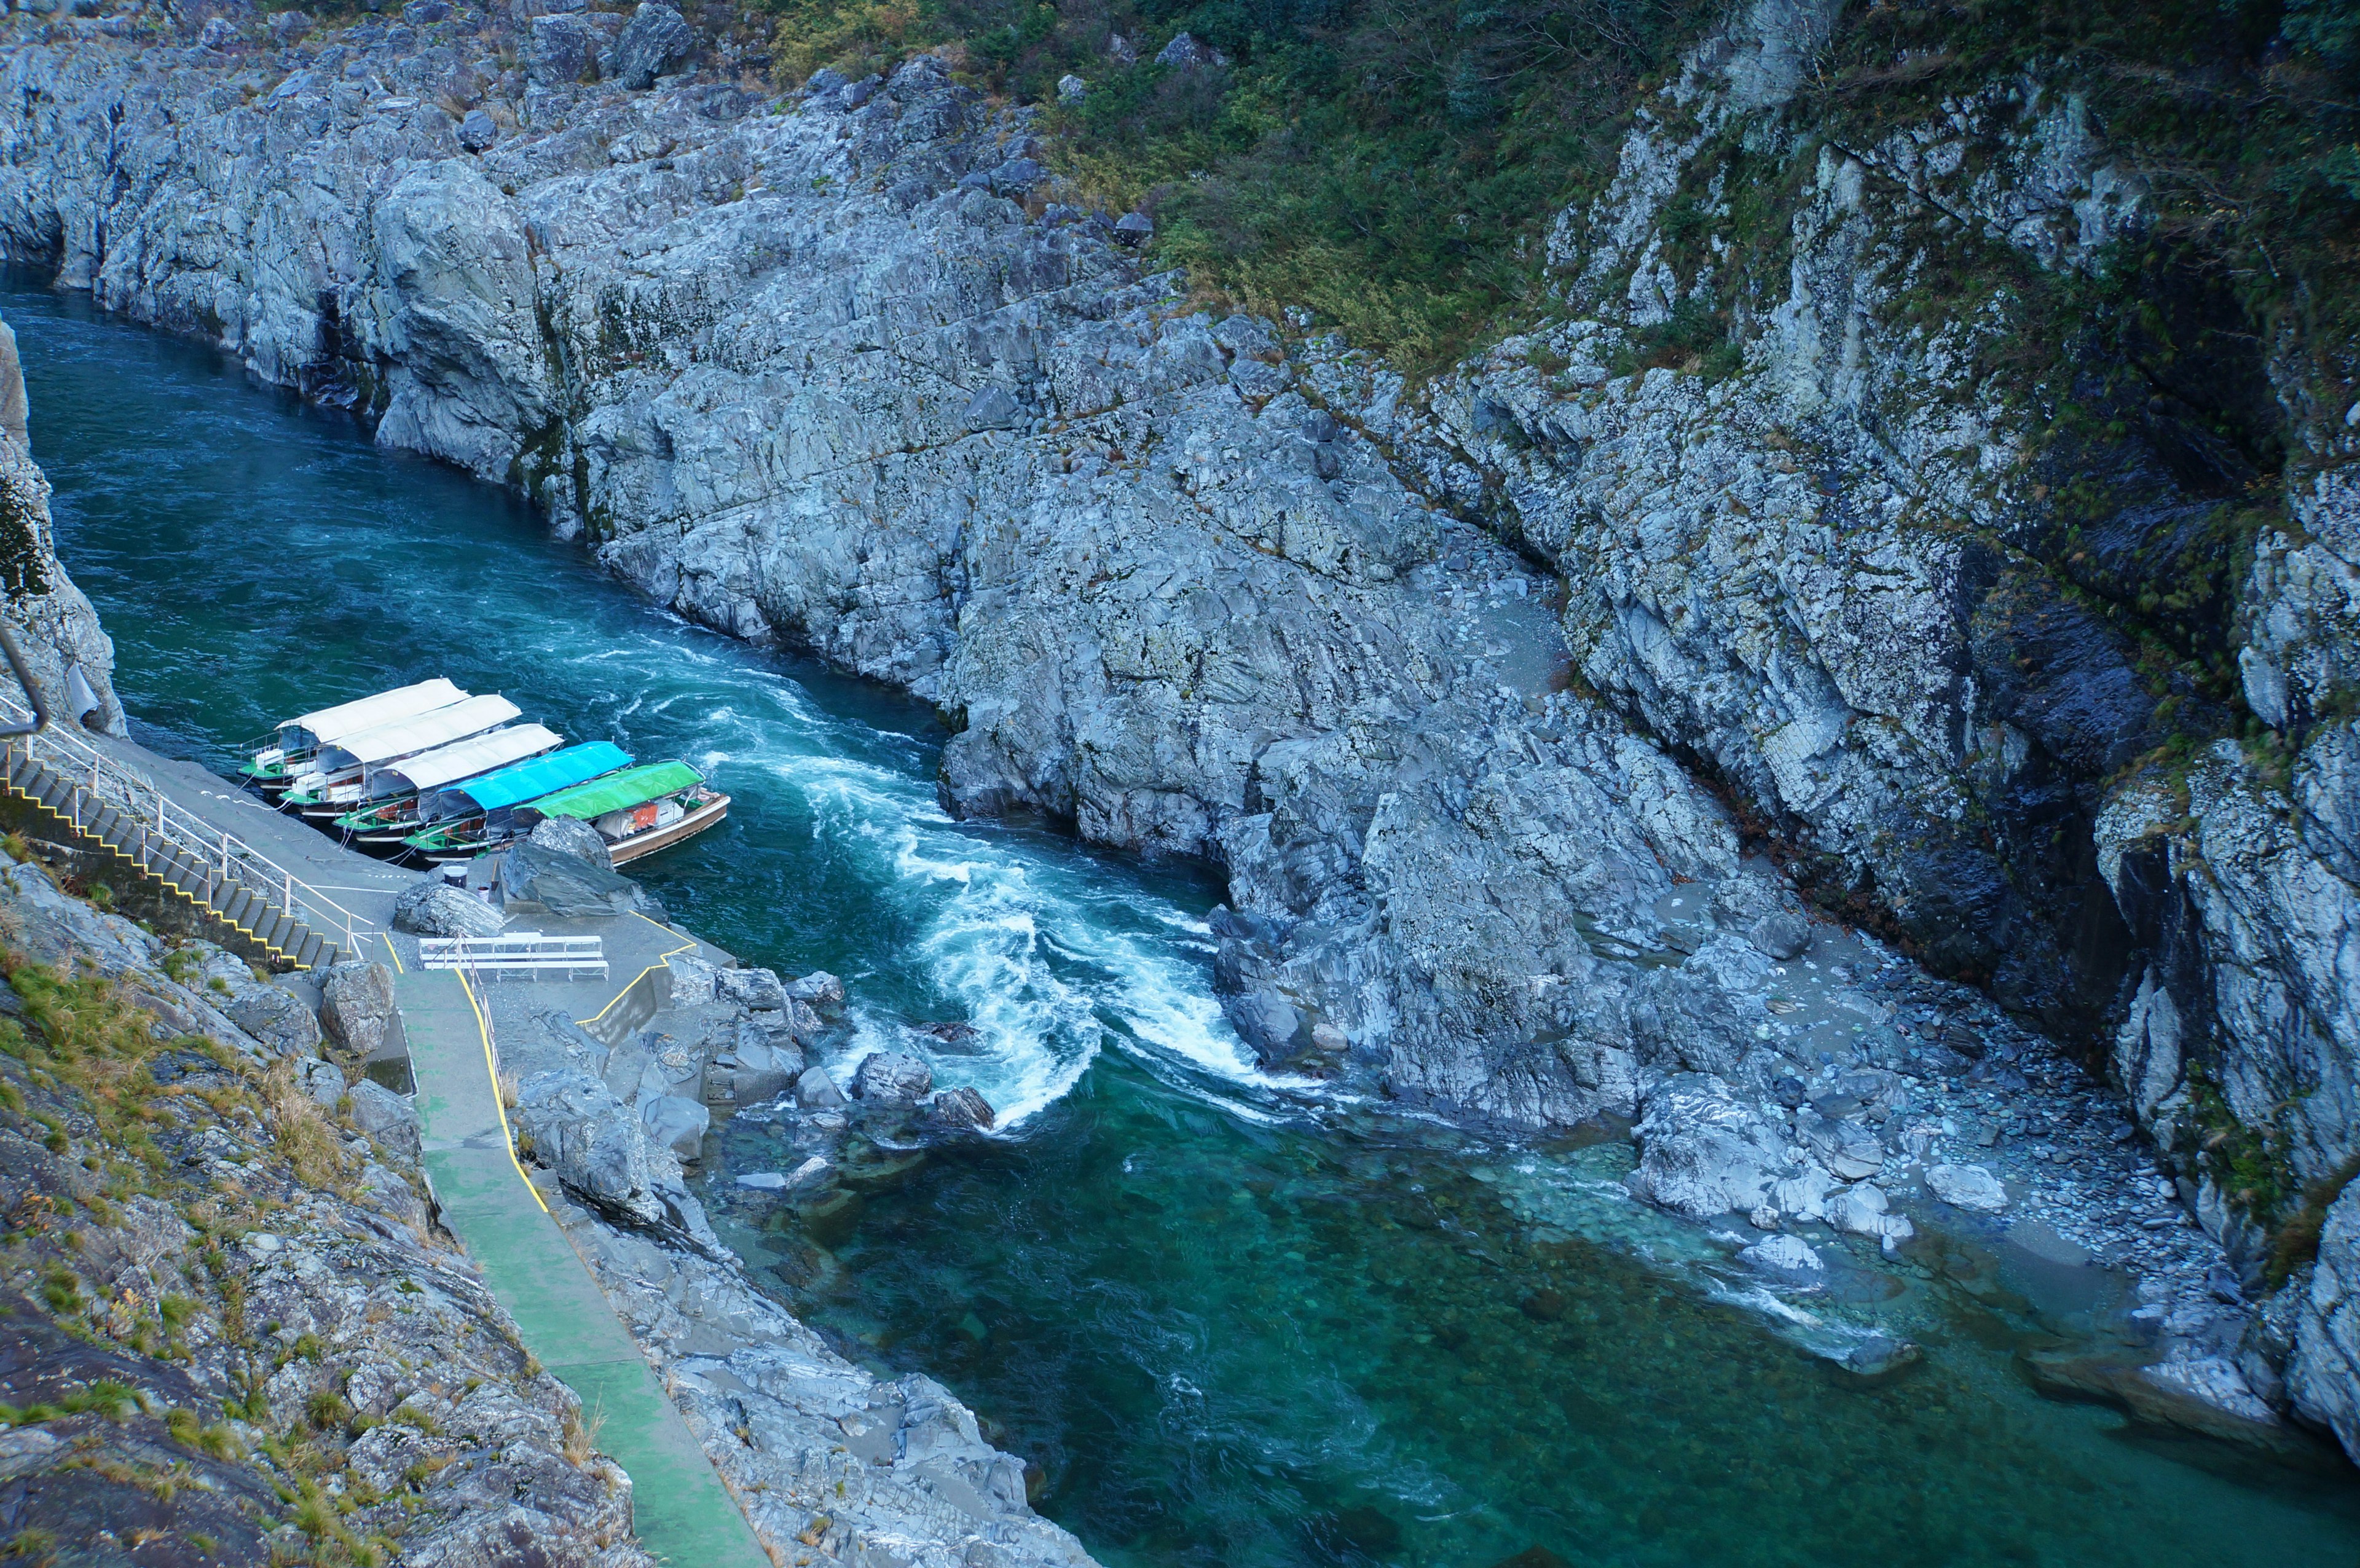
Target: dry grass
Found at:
x=301, y=1131
x=581, y=1437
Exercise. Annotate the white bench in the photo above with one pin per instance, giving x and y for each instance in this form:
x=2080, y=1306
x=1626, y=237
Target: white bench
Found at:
x=516, y=953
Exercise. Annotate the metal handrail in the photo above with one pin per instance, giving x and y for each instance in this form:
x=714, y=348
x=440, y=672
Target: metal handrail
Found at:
x=104, y=779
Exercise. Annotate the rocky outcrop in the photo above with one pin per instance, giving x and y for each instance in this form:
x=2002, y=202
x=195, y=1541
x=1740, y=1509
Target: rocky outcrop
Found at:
x=67, y=653
x=229, y=1320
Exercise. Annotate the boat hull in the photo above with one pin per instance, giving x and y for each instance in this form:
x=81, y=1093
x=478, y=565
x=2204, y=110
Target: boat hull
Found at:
x=637, y=846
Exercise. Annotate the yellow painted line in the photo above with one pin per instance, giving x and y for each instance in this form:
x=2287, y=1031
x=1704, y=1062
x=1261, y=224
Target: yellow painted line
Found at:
x=662, y=962
x=499, y=1106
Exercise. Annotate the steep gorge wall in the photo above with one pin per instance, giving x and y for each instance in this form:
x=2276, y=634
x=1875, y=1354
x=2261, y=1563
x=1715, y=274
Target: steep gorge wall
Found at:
x=1432, y=671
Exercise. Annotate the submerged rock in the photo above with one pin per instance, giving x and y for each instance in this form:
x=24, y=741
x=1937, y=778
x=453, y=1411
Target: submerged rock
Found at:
x=816, y=1091
x=962, y=1109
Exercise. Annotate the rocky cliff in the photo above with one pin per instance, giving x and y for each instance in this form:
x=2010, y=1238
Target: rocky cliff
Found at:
x=55, y=627
x=1479, y=688
x=234, y=1334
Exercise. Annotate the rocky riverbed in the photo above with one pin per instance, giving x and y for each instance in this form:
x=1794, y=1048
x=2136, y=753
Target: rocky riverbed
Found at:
x=1440, y=676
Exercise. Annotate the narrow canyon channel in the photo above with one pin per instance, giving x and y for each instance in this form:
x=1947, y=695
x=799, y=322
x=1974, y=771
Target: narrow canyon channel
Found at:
x=1231, y=1321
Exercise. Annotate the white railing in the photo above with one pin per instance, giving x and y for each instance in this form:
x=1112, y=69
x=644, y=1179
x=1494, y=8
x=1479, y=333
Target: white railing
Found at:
x=514, y=953
x=100, y=779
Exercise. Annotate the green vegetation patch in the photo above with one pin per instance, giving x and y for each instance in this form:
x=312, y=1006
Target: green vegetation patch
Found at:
x=1391, y=165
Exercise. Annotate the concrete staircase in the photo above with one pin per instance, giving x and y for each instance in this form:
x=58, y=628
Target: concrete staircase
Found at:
x=253, y=919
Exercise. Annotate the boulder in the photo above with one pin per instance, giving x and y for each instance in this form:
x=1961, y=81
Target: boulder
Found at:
x=962, y=1109
x=534, y=877
x=757, y=988
x=1864, y=1210
x=815, y=1091
x=573, y=1125
x=1702, y=1153
x=478, y=130
x=431, y=907
x=762, y=1065
x=572, y=835
x=822, y=992
x=1186, y=53
x=388, y=1119
x=1781, y=936
x=358, y=1010
x=892, y=1078
x=288, y=27
x=1967, y=1187
x=279, y=1021
x=1783, y=1255
x=323, y=1082
x=676, y=1124
x=1847, y=1148
x=563, y=50
x=655, y=42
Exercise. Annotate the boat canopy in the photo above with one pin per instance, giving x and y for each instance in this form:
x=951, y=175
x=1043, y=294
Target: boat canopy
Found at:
x=408, y=738
x=524, y=781
x=460, y=761
x=335, y=723
x=618, y=792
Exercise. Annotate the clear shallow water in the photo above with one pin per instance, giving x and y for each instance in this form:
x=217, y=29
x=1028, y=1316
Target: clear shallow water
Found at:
x=1227, y=1331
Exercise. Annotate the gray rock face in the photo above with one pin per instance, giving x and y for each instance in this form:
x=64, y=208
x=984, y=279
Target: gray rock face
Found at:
x=600, y=1148
x=889, y=1078
x=387, y=1118
x=431, y=907
x=676, y=1124
x=563, y=51
x=572, y=835
x=55, y=627
x=358, y=1011
x=279, y=1021
x=656, y=41
x=534, y=878
x=387, y=1318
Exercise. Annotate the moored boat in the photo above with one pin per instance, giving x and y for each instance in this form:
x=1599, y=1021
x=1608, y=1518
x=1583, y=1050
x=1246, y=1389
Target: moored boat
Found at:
x=637, y=811
x=387, y=826
x=274, y=768
x=338, y=778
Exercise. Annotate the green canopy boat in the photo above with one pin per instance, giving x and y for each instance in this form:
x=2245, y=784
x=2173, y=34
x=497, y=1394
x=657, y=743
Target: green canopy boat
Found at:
x=637, y=811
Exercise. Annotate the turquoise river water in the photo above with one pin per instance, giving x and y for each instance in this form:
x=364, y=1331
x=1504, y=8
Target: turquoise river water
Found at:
x=1229, y=1326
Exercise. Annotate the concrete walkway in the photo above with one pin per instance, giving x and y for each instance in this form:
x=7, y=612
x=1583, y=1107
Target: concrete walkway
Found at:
x=681, y=1512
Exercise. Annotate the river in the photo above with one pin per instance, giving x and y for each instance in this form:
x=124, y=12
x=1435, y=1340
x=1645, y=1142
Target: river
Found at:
x=1231, y=1326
